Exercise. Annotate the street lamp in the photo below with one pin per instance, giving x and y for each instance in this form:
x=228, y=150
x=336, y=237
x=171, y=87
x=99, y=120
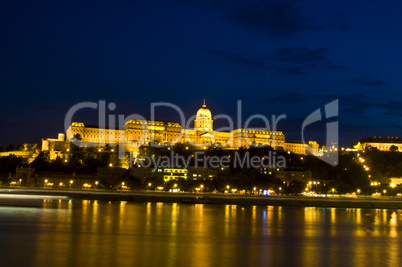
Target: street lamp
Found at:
x=333, y=190
x=358, y=191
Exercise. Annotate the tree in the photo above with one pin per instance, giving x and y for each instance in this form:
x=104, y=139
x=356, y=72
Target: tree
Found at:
x=296, y=187
x=131, y=181
x=77, y=137
x=371, y=148
x=393, y=148
x=154, y=181
x=41, y=162
x=91, y=165
x=10, y=147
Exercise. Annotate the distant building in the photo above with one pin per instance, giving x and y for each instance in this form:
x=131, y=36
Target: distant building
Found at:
x=298, y=147
x=395, y=181
x=56, y=147
x=190, y=173
x=383, y=144
x=26, y=151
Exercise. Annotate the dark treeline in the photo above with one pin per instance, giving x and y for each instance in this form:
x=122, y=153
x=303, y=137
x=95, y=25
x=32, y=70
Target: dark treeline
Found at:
x=348, y=176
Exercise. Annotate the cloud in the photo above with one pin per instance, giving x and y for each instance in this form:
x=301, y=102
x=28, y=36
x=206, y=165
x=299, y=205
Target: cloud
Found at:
x=299, y=55
x=289, y=98
x=275, y=18
x=292, y=60
x=292, y=70
x=237, y=58
x=301, y=60
x=335, y=67
x=48, y=108
x=356, y=104
x=369, y=82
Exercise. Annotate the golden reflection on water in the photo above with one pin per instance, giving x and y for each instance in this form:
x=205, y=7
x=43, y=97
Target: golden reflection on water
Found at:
x=94, y=233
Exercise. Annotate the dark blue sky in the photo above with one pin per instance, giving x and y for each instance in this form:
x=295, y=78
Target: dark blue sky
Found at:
x=277, y=57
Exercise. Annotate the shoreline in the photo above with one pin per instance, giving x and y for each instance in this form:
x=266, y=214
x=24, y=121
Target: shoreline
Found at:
x=197, y=198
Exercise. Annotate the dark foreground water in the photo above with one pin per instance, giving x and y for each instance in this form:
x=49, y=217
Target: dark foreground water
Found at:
x=65, y=232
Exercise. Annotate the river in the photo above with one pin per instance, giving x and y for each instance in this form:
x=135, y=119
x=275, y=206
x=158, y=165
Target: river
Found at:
x=48, y=231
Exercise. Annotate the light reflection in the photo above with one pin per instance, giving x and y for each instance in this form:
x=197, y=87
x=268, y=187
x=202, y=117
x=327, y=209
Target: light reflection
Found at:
x=227, y=218
x=310, y=219
x=22, y=196
x=122, y=210
x=393, y=222
x=95, y=212
x=126, y=233
x=333, y=215
x=174, y=218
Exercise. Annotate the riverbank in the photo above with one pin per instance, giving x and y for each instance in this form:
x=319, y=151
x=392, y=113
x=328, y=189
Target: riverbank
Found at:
x=286, y=201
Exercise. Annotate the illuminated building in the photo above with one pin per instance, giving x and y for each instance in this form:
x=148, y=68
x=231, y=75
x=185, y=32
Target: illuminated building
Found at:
x=143, y=132
x=383, y=144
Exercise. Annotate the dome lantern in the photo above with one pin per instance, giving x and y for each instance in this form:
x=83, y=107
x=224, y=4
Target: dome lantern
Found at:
x=203, y=120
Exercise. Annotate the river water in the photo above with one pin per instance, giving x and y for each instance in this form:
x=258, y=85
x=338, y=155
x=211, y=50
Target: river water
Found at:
x=68, y=232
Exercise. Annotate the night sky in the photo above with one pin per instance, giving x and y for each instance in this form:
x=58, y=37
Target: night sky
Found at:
x=278, y=57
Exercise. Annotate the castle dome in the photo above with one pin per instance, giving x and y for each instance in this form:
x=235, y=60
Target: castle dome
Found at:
x=203, y=112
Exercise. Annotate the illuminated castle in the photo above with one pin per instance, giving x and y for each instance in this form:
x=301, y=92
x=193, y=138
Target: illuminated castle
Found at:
x=143, y=132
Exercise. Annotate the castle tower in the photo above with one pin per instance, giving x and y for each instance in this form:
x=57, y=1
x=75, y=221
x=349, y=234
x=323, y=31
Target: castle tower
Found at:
x=203, y=121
